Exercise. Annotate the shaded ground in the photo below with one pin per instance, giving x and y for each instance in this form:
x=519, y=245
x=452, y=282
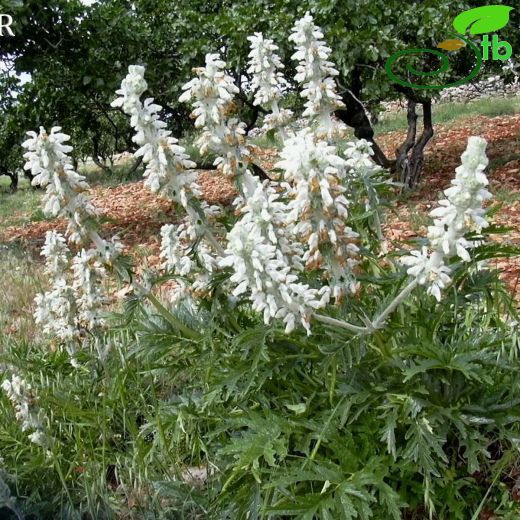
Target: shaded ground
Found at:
x=136, y=215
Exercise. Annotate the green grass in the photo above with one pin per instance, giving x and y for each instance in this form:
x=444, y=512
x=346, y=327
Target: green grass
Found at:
x=5, y=183
x=119, y=174
x=446, y=113
x=506, y=196
x=21, y=207
x=20, y=280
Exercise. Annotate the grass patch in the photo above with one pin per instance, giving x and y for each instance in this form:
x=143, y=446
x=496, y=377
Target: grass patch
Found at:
x=419, y=218
x=506, y=196
x=5, y=183
x=446, y=113
x=20, y=207
x=268, y=140
x=119, y=174
x=20, y=280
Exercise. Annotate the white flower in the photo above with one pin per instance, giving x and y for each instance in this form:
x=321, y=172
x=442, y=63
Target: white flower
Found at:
x=316, y=72
x=460, y=213
x=228, y=141
x=167, y=164
x=89, y=274
x=47, y=159
x=107, y=251
x=318, y=210
x=359, y=157
x=264, y=64
x=256, y=252
x=260, y=269
x=55, y=309
x=38, y=437
x=277, y=119
x=56, y=254
x=25, y=403
x=175, y=251
x=429, y=270
x=132, y=87
x=211, y=94
x=56, y=312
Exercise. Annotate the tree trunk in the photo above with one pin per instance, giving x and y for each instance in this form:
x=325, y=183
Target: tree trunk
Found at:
x=30, y=176
x=14, y=181
x=407, y=166
x=417, y=157
x=134, y=167
x=13, y=176
x=259, y=172
x=96, y=155
x=410, y=155
x=100, y=164
x=401, y=168
x=355, y=116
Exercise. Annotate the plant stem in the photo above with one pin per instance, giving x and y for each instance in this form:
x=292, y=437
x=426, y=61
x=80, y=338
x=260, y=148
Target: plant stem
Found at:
x=339, y=323
x=394, y=304
x=210, y=237
x=371, y=326
x=173, y=320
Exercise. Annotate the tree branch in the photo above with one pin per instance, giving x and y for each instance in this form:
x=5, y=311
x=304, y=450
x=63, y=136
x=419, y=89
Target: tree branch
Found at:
x=355, y=116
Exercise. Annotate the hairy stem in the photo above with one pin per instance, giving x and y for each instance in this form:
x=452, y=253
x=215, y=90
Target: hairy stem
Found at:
x=377, y=323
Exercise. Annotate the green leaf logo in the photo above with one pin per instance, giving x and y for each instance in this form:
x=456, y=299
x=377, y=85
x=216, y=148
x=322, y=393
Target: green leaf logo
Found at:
x=485, y=19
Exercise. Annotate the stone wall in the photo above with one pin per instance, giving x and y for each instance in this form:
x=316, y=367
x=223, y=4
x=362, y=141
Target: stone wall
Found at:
x=490, y=87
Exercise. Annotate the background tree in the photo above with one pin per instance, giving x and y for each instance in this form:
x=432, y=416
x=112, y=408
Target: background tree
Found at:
x=76, y=55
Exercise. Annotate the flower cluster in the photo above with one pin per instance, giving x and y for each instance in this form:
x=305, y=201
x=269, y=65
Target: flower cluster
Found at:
x=316, y=73
x=282, y=229
x=89, y=274
x=267, y=80
x=212, y=93
x=318, y=210
x=167, y=164
x=187, y=257
x=25, y=402
x=175, y=248
x=65, y=196
x=264, y=64
x=461, y=212
x=64, y=309
x=260, y=266
x=169, y=173
x=66, y=191
x=359, y=158
x=56, y=308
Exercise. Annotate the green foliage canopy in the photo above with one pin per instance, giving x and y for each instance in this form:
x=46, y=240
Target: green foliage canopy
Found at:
x=76, y=55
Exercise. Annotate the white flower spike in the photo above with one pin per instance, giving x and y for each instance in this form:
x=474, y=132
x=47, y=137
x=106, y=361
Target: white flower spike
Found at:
x=459, y=213
x=316, y=73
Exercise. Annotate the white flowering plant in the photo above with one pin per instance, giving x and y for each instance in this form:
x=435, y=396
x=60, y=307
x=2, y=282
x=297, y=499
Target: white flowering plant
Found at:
x=299, y=362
